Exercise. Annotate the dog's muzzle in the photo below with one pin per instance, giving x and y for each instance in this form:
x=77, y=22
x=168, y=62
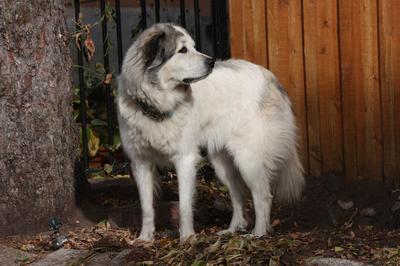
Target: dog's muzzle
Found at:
x=210, y=62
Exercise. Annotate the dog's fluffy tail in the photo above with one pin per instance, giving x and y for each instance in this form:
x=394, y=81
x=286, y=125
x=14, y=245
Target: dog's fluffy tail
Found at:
x=290, y=184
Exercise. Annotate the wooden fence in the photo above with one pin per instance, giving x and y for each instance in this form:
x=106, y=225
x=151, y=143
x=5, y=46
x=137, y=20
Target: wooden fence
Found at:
x=339, y=60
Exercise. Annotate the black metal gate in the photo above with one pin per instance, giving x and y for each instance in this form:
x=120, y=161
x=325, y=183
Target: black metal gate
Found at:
x=85, y=49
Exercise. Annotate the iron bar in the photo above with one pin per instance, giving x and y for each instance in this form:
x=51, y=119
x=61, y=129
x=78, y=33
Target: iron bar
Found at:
x=119, y=33
x=183, y=13
x=197, y=24
x=144, y=14
x=82, y=92
x=157, y=10
x=220, y=29
x=109, y=98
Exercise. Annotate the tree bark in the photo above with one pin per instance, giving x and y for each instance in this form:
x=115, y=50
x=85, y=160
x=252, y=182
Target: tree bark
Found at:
x=38, y=137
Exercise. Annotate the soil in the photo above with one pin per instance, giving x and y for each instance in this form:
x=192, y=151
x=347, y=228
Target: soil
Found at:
x=319, y=208
x=314, y=226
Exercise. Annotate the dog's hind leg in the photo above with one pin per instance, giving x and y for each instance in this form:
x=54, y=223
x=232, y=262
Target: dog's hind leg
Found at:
x=230, y=177
x=256, y=177
x=143, y=172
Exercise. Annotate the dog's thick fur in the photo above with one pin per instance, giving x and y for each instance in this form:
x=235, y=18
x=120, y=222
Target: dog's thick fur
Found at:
x=172, y=100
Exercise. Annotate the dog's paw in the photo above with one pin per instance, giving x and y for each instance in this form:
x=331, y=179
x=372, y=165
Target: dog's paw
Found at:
x=237, y=225
x=260, y=233
x=146, y=236
x=189, y=237
x=230, y=231
x=226, y=232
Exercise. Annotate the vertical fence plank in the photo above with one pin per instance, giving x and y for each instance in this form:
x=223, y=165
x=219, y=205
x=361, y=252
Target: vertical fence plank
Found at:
x=285, y=56
x=351, y=73
x=323, y=86
x=236, y=28
x=361, y=90
x=248, y=30
x=310, y=46
x=389, y=22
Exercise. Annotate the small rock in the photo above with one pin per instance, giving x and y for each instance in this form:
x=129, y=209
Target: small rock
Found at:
x=169, y=233
x=396, y=206
x=30, y=247
x=120, y=258
x=220, y=205
x=62, y=257
x=319, y=261
x=368, y=212
x=345, y=205
x=101, y=259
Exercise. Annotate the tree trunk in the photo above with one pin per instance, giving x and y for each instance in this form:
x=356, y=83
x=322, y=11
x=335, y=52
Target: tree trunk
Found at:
x=38, y=137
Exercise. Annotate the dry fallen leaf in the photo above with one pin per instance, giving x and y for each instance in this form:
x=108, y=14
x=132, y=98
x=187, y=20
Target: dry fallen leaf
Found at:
x=275, y=222
x=108, y=79
x=329, y=242
x=215, y=247
x=77, y=36
x=89, y=44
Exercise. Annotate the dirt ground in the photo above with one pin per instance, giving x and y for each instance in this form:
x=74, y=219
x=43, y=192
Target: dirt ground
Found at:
x=315, y=226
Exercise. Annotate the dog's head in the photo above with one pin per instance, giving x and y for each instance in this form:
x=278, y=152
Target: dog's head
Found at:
x=169, y=57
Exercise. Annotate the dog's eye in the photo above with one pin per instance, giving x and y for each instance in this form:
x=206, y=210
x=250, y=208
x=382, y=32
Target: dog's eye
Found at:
x=183, y=50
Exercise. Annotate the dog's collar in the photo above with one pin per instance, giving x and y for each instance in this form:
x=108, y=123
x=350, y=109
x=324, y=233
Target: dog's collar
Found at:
x=152, y=112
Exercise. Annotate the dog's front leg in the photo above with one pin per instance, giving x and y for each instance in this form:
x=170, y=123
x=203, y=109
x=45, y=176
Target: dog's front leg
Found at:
x=186, y=171
x=143, y=173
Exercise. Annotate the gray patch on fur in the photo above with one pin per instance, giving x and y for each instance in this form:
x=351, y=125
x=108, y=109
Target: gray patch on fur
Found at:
x=227, y=64
x=280, y=88
x=160, y=46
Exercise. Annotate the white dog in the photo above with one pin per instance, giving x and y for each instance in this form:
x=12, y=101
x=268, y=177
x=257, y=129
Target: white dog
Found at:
x=172, y=100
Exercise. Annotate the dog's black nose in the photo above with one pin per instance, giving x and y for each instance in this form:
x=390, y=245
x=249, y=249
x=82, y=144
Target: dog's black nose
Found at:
x=210, y=62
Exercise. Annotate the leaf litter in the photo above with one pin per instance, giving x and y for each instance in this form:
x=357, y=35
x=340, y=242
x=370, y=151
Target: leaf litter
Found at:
x=291, y=243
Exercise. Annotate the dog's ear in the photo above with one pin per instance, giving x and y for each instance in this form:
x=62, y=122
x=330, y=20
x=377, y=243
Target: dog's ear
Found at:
x=153, y=49
x=159, y=47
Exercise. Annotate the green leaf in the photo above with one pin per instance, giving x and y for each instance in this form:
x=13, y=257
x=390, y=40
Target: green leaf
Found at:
x=135, y=31
x=108, y=168
x=122, y=176
x=148, y=262
x=76, y=114
x=94, y=143
x=77, y=101
x=76, y=91
x=109, y=12
x=98, y=122
x=198, y=263
x=117, y=140
x=368, y=227
x=338, y=249
x=96, y=176
x=100, y=68
x=223, y=189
